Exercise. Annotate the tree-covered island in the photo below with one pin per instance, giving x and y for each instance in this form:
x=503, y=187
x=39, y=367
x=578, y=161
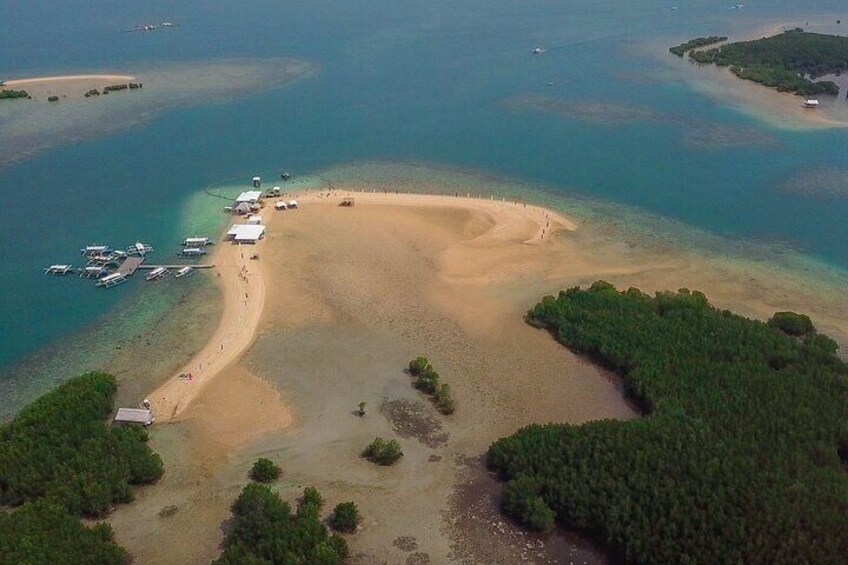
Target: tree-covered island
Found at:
x=790, y=61
x=742, y=456
x=681, y=49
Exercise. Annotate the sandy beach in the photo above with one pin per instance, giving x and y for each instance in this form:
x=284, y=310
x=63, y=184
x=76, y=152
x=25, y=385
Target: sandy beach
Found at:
x=66, y=85
x=339, y=301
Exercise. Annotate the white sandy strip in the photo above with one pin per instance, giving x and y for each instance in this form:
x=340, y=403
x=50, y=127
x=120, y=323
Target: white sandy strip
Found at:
x=243, y=285
x=66, y=78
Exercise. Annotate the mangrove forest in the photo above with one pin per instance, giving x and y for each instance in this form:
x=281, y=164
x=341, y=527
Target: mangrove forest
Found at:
x=742, y=453
x=790, y=61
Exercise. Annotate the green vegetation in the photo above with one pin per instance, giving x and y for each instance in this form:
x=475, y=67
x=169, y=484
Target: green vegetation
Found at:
x=792, y=323
x=265, y=471
x=264, y=531
x=681, y=49
x=59, y=458
x=427, y=381
x=61, y=448
x=12, y=94
x=741, y=459
x=345, y=517
x=42, y=532
x=789, y=62
x=383, y=452
x=312, y=497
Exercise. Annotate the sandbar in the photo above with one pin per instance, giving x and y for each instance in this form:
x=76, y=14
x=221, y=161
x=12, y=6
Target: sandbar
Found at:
x=66, y=85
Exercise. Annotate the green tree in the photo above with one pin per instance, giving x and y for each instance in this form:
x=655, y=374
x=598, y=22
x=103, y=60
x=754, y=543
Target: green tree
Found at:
x=345, y=517
x=265, y=471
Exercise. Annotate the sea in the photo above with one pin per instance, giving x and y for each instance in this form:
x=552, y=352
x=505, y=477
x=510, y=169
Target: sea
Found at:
x=603, y=114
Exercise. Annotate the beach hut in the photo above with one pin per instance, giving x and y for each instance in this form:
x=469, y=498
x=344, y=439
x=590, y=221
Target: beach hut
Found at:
x=257, y=182
x=292, y=203
x=254, y=220
x=246, y=233
x=134, y=416
x=242, y=208
x=249, y=196
x=281, y=205
x=811, y=103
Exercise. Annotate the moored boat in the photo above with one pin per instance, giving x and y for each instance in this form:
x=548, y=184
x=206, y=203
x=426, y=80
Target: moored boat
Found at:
x=184, y=272
x=157, y=273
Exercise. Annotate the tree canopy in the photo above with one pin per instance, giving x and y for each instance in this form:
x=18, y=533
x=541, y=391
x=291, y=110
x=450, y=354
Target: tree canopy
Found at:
x=264, y=531
x=790, y=61
x=741, y=457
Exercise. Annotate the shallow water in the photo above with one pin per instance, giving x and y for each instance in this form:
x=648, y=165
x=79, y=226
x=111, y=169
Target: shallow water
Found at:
x=399, y=81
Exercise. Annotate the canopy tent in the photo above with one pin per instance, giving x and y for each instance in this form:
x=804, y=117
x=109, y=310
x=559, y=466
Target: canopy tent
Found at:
x=249, y=196
x=246, y=233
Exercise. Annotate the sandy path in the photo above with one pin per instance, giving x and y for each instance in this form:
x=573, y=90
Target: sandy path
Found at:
x=243, y=283
x=243, y=288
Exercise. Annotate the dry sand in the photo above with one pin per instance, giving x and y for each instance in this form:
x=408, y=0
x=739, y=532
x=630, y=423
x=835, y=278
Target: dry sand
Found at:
x=66, y=85
x=353, y=294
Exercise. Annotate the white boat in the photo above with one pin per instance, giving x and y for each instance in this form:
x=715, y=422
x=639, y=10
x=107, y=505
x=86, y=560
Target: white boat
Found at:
x=184, y=272
x=811, y=103
x=58, y=269
x=157, y=273
x=197, y=241
x=93, y=272
x=139, y=248
x=95, y=250
x=193, y=252
x=538, y=51
x=112, y=280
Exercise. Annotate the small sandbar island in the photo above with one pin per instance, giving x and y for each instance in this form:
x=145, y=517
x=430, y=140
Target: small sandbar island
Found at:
x=54, y=88
x=803, y=68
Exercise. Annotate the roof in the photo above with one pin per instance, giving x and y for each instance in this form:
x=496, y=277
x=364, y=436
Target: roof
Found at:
x=249, y=196
x=246, y=232
x=134, y=415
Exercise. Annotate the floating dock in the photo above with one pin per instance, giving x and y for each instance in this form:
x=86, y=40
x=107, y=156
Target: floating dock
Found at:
x=129, y=266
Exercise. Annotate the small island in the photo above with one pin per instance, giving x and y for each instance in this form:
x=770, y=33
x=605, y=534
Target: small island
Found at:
x=790, y=62
x=13, y=94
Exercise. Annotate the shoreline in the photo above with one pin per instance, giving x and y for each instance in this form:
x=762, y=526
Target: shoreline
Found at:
x=66, y=78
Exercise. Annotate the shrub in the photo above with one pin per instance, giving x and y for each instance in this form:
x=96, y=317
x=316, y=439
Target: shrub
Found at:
x=444, y=401
x=265, y=471
x=520, y=499
x=345, y=517
x=312, y=496
x=427, y=382
x=418, y=366
x=383, y=452
x=792, y=323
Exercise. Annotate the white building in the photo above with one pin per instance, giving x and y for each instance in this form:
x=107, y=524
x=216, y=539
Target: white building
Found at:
x=246, y=233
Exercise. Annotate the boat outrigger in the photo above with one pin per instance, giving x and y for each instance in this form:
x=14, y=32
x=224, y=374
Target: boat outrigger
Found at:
x=92, y=250
x=184, y=272
x=157, y=273
x=193, y=252
x=58, y=269
x=140, y=249
x=93, y=272
x=112, y=280
x=198, y=241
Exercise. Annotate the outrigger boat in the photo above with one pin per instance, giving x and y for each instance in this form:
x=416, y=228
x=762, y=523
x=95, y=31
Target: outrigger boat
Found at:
x=93, y=272
x=58, y=269
x=140, y=249
x=197, y=241
x=193, y=252
x=112, y=280
x=157, y=273
x=92, y=250
x=184, y=272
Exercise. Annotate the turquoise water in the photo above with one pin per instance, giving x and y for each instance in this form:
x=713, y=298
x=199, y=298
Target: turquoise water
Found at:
x=424, y=82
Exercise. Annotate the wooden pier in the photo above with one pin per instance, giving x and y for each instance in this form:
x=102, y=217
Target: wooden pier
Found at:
x=129, y=266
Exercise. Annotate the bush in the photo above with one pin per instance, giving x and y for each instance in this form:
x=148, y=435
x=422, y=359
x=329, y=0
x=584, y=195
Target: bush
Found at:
x=345, y=517
x=427, y=382
x=265, y=471
x=312, y=496
x=383, y=452
x=419, y=365
x=264, y=531
x=792, y=323
x=444, y=401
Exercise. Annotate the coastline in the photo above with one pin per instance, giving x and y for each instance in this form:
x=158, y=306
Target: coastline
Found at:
x=350, y=295
x=66, y=85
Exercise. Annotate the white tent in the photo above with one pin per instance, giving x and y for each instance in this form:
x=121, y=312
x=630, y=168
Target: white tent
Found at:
x=134, y=416
x=250, y=196
x=246, y=233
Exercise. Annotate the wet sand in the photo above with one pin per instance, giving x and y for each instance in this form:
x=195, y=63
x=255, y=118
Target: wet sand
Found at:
x=351, y=295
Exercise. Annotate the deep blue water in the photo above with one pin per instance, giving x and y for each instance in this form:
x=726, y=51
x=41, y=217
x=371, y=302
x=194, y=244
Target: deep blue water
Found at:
x=398, y=80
